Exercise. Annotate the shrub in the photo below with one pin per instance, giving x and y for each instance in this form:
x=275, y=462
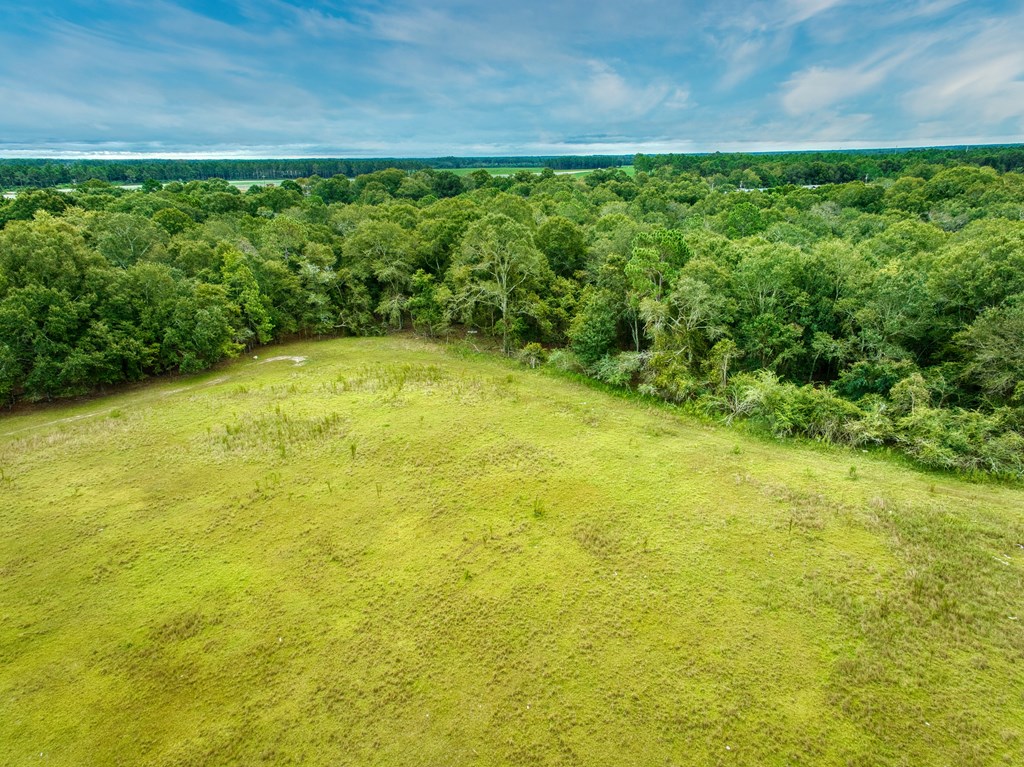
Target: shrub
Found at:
x=962, y=440
x=667, y=375
x=593, y=332
x=788, y=410
x=620, y=370
x=565, y=360
x=874, y=427
x=745, y=394
x=533, y=354
x=821, y=414
x=909, y=394
x=872, y=377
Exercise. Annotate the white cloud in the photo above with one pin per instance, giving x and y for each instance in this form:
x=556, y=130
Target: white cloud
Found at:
x=964, y=79
x=744, y=56
x=606, y=91
x=318, y=24
x=679, y=99
x=756, y=36
x=370, y=78
x=603, y=96
x=818, y=88
x=980, y=81
x=921, y=9
x=799, y=11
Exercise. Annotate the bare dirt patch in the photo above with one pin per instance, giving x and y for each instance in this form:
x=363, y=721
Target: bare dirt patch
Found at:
x=297, y=360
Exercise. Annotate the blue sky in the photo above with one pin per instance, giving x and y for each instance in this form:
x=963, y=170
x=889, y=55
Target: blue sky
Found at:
x=283, y=79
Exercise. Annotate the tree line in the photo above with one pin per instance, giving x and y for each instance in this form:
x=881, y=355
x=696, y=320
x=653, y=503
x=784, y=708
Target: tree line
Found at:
x=771, y=169
x=748, y=170
x=17, y=173
x=887, y=313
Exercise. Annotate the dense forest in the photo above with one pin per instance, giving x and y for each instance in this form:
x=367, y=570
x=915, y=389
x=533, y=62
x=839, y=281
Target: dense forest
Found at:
x=749, y=171
x=753, y=171
x=887, y=313
x=22, y=173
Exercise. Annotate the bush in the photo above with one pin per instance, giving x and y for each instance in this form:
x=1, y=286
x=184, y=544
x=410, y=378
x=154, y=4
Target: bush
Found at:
x=593, y=332
x=620, y=370
x=789, y=410
x=565, y=360
x=821, y=414
x=667, y=375
x=872, y=377
x=909, y=394
x=745, y=394
x=874, y=427
x=533, y=354
x=962, y=440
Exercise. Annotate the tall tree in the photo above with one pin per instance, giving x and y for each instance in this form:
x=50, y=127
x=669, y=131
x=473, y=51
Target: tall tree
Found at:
x=497, y=267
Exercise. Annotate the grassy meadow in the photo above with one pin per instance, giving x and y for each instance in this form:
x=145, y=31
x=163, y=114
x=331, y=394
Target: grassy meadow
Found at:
x=243, y=184
x=511, y=171
x=382, y=552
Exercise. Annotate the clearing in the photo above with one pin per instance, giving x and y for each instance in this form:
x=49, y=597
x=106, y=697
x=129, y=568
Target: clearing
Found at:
x=511, y=171
x=393, y=554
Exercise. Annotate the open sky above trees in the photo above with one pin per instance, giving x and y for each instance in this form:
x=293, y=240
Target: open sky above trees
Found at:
x=465, y=78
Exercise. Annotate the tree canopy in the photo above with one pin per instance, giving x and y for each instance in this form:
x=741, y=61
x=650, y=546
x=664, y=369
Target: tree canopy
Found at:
x=880, y=306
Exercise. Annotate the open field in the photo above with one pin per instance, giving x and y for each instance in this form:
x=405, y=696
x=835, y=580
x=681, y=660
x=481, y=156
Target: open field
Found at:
x=242, y=185
x=507, y=171
x=379, y=552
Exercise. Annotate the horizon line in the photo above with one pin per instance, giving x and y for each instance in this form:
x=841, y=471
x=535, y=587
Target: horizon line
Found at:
x=255, y=153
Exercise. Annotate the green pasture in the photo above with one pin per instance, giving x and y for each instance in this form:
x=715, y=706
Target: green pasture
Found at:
x=243, y=185
x=382, y=552
x=509, y=171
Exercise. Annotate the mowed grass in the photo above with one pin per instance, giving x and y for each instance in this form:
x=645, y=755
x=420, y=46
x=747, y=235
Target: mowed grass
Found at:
x=390, y=554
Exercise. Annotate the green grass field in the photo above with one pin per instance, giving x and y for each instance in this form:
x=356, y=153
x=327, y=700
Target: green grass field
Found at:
x=508, y=171
x=393, y=554
x=243, y=185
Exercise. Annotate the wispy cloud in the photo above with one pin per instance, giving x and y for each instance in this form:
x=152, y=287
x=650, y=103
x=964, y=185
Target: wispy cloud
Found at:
x=799, y=11
x=358, y=77
x=760, y=35
x=966, y=78
x=981, y=80
x=817, y=88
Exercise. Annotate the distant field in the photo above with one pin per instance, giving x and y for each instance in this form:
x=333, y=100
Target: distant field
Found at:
x=513, y=171
x=242, y=185
x=378, y=552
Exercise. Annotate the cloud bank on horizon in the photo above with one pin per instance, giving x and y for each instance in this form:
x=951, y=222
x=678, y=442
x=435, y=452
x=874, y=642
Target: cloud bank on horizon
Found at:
x=290, y=78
